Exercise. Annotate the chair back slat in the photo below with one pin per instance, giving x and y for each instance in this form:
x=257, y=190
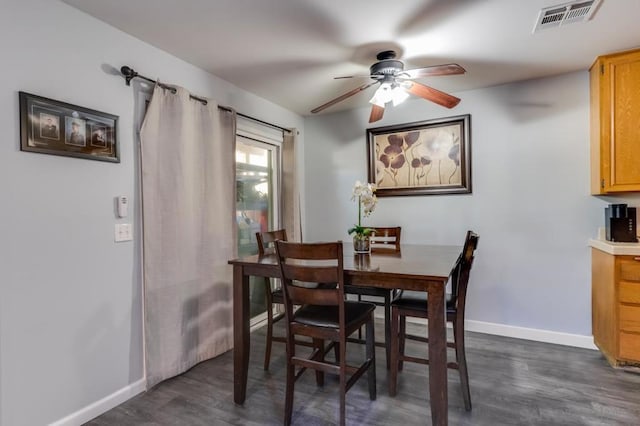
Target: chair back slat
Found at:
x=266, y=241
x=311, y=251
x=313, y=296
x=312, y=274
x=385, y=239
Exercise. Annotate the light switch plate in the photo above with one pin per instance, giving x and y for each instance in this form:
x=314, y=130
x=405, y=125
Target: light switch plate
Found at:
x=123, y=232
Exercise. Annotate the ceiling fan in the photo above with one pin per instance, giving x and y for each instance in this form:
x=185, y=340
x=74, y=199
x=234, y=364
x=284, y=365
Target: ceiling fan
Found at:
x=396, y=84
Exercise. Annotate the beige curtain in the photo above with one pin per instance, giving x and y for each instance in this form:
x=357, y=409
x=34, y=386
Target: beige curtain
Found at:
x=290, y=192
x=188, y=191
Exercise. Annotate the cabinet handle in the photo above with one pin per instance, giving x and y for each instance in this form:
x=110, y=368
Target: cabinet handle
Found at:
x=637, y=258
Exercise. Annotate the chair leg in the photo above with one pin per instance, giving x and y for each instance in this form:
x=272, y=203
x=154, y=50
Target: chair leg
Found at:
x=387, y=327
x=395, y=348
x=318, y=344
x=343, y=383
x=462, y=363
x=291, y=379
x=371, y=354
x=267, y=349
x=360, y=329
x=401, y=338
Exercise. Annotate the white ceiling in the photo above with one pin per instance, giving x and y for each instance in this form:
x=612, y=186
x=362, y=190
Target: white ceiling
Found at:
x=288, y=51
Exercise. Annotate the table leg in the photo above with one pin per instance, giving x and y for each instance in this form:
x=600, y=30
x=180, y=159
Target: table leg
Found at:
x=241, y=337
x=437, y=357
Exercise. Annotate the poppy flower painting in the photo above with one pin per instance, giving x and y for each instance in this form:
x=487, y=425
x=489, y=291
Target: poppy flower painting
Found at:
x=423, y=158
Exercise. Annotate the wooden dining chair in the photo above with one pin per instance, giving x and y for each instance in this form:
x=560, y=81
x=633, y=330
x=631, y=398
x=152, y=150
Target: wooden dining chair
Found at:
x=274, y=296
x=266, y=245
x=324, y=315
x=383, y=240
x=414, y=304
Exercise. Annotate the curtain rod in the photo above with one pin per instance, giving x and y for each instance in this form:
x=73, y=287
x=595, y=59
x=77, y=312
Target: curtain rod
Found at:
x=129, y=74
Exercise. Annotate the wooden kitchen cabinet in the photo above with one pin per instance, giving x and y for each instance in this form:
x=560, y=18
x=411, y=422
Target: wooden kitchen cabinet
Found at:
x=616, y=306
x=615, y=123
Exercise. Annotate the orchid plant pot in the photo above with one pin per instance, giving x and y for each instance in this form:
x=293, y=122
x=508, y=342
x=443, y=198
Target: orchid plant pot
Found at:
x=361, y=243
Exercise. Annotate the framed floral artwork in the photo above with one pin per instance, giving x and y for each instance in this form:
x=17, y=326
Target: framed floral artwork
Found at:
x=422, y=158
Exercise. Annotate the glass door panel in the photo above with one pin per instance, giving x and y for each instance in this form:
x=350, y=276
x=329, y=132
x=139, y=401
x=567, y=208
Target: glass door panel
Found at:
x=256, y=205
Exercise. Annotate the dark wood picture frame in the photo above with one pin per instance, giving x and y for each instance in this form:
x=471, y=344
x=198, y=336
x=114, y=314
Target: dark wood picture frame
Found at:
x=429, y=157
x=52, y=127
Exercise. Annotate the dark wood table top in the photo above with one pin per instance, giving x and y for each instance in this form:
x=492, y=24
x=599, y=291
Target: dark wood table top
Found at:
x=413, y=262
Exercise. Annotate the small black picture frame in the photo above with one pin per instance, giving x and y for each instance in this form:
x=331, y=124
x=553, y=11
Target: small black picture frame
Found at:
x=52, y=127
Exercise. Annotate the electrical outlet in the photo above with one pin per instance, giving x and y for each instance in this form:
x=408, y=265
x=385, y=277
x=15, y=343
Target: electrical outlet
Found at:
x=123, y=232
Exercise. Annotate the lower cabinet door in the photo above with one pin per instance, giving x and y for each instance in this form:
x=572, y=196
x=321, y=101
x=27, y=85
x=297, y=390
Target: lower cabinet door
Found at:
x=629, y=346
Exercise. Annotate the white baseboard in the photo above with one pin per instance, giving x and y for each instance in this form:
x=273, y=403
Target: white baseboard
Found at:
x=535, y=334
x=102, y=406
x=545, y=336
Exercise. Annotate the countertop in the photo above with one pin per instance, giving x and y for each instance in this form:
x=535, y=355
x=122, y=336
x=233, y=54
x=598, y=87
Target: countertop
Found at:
x=628, y=249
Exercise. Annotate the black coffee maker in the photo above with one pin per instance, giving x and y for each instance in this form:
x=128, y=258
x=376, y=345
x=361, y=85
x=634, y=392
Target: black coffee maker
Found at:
x=620, y=223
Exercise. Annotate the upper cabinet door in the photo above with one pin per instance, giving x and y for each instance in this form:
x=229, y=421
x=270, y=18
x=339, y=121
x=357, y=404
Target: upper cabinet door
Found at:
x=615, y=123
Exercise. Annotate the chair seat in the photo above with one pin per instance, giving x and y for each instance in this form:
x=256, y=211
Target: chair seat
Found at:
x=417, y=300
x=327, y=316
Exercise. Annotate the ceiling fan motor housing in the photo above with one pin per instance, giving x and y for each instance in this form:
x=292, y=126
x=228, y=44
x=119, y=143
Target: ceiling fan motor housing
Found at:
x=386, y=67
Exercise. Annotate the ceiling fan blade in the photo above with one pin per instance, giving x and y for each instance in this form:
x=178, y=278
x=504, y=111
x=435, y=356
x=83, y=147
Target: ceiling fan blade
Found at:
x=376, y=113
x=433, y=95
x=377, y=77
x=343, y=97
x=446, y=69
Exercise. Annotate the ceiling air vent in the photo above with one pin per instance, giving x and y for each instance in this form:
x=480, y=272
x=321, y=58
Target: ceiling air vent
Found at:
x=563, y=14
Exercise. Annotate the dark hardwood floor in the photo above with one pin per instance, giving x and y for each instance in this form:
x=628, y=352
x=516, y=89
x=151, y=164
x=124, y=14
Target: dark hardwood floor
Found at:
x=513, y=382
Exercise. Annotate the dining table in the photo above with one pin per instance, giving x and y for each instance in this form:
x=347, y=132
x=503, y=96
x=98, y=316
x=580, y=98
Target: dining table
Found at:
x=415, y=267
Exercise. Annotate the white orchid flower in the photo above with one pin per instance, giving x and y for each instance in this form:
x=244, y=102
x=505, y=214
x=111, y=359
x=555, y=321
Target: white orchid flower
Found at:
x=366, y=198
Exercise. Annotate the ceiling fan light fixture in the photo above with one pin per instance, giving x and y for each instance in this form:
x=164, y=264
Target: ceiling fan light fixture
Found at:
x=389, y=92
x=398, y=95
x=382, y=95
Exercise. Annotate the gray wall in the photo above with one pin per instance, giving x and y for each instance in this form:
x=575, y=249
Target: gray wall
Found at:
x=530, y=202
x=70, y=298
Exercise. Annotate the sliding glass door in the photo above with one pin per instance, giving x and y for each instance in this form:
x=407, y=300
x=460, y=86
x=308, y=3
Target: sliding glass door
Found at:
x=257, y=202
